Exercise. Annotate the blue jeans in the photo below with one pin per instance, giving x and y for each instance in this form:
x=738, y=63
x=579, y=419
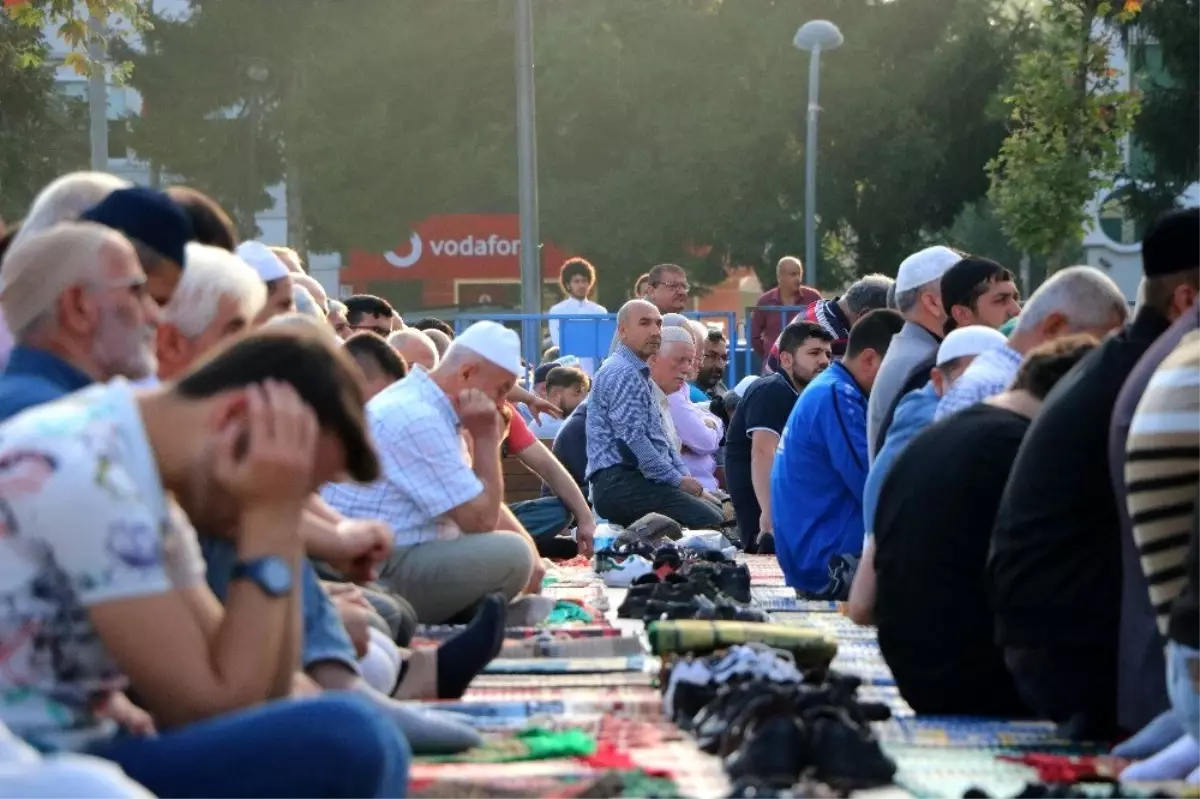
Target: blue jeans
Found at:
x=545, y=516
x=325, y=636
x=1184, y=699
x=337, y=745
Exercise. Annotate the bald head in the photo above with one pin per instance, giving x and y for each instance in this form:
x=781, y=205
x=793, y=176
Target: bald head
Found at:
x=439, y=339
x=639, y=327
x=314, y=288
x=38, y=268
x=789, y=276
x=415, y=346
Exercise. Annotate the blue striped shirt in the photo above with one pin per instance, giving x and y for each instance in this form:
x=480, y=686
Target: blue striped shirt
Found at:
x=624, y=426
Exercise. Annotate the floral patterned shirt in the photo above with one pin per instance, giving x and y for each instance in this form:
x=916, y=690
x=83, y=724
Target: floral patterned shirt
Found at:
x=84, y=520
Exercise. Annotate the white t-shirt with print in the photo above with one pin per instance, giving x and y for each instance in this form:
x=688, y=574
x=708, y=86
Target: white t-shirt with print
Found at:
x=84, y=520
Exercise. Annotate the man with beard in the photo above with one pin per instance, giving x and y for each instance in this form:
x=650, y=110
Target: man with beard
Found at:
x=632, y=468
x=714, y=360
x=804, y=352
x=76, y=301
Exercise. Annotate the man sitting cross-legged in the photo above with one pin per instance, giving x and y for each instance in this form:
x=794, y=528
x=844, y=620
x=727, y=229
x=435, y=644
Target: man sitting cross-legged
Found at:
x=107, y=582
x=455, y=543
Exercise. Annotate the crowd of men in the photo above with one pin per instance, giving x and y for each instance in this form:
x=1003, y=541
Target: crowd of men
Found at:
x=228, y=499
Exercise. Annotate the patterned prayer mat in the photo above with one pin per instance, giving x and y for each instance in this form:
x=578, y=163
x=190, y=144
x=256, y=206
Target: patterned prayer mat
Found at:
x=543, y=666
x=572, y=648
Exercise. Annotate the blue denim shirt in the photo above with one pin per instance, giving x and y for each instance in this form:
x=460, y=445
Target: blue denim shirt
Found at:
x=624, y=423
x=35, y=377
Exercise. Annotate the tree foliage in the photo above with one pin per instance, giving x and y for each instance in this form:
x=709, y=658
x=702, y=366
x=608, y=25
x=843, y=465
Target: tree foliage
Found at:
x=70, y=20
x=1068, y=119
x=41, y=132
x=667, y=129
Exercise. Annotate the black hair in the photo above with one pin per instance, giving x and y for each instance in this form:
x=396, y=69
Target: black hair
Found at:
x=430, y=323
x=874, y=331
x=715, y=334
x=210, y=224
x=1047, y=363
x=361, y=305
x=967, y=281
x=796, y=333
x=372, y=352
x=567, y=377
x=576, y=266
x=306, y=357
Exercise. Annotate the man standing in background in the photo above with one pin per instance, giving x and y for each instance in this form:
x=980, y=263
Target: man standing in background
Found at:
x=765, y=326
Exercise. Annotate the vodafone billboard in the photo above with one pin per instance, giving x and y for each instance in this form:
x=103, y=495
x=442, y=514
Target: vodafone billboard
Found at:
x=462, y=246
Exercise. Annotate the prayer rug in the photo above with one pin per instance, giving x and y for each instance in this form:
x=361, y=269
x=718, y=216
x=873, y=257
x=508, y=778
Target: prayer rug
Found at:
x=583, y=680
x=559, y=648
x=571, y=665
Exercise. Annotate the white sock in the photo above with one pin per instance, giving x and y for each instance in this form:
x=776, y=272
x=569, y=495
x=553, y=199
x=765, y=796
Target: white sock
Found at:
x=1173, y=763
x=379, y=669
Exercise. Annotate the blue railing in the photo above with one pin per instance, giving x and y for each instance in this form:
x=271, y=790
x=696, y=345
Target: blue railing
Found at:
x=591, y=335
x=751, y=363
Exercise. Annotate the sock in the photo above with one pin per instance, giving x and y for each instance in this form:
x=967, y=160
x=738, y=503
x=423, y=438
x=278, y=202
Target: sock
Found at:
x=1156, y=736
x=460, y=658
x=380, y=668
x=1194, y=777
x=429, y=732
x=1173, y=763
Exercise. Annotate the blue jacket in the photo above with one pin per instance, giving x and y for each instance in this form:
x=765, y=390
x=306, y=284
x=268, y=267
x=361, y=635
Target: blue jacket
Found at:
x=35, y=377
x=817, y=479
x=913, y=414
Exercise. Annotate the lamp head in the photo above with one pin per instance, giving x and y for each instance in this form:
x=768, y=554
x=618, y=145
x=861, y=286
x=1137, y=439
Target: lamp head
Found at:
x=818, y=33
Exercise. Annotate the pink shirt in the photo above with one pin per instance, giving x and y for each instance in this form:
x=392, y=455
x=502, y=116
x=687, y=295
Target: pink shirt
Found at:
x=700, y=440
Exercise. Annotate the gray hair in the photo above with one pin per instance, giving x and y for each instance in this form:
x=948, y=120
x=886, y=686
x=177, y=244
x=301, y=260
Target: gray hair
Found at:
x=869, y=293
x=675, y=320
x=306, y=303
x=211, y=274
x=906, y=301
x=337, y=306
x=66, y=198
x=1087, y=297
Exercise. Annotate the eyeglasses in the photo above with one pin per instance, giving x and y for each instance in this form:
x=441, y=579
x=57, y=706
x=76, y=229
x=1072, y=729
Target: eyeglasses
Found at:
x=382, y=331
x=680, y=287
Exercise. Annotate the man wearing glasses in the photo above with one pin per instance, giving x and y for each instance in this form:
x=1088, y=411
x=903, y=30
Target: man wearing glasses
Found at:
x=667, y=288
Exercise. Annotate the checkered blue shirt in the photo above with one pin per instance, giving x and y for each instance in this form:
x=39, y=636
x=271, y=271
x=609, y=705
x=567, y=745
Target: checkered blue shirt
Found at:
x=988, y=375
x=425, y=468
x=624, y=423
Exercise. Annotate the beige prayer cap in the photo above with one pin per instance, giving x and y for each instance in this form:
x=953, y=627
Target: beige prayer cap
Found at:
x=39, y=268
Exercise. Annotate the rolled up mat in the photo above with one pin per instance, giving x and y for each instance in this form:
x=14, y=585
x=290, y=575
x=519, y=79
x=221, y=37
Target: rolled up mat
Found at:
x=812, y=649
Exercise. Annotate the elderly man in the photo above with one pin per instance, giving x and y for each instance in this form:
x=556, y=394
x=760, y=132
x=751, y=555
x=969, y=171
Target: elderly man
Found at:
x=157, y=228
x=455, y=542
x=919, y=300
x=789, y=291
x=698, y=432
x=63, y=200
x=839, y=314
x=75, y=299
x=1079, y=299
x=337, y=319
x=416, y=347
x=632, y=467
x=274, y=273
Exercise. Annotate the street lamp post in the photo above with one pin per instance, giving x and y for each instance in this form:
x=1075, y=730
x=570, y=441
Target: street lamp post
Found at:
x=527, y=189
x=813, y=36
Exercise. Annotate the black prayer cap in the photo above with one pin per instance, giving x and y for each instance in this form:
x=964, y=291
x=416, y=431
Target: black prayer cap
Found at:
x=1172, y=244
x=149, y=216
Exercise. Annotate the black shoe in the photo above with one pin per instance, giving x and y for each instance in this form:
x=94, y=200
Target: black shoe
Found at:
x=766, y=544
x=770, y=751
x=844, y=753
x=734, y=580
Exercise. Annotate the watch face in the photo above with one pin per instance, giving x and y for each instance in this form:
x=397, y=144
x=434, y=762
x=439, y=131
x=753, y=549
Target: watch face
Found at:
x=275, y=575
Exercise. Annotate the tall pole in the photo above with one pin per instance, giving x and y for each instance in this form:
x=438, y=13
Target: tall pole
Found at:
x=97, y=91
x=531, y=272
x=810, y=167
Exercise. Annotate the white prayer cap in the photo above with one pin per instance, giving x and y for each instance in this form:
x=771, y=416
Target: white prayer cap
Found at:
x=968, y=341
x=743, y=384
x=262, y=260
x=924, y=267
x=493, y=342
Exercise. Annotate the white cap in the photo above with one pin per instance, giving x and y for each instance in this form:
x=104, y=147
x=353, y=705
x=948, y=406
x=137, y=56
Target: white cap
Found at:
x=969, y=340
x=262, y=260
x=925, y=266
x=743, y=384
x=494, y=342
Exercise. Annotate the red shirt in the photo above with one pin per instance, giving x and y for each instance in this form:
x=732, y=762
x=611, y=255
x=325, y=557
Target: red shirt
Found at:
x=765, y=326
x=520, y=437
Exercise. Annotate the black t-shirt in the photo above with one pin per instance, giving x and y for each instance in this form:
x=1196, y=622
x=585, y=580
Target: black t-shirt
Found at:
x=570, y=445
x=932, y=532
x=767, y=404
x=1185, y=613
x=1055, y=564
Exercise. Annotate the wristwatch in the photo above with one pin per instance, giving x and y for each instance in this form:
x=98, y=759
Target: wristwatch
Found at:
x=272, y=574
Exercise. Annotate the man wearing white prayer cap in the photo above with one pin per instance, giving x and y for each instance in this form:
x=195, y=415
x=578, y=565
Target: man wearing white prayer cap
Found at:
x=455, y=540
x=919, y=300
x=274, y=273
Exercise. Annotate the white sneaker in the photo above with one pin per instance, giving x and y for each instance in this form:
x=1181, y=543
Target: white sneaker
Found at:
x=622, y=574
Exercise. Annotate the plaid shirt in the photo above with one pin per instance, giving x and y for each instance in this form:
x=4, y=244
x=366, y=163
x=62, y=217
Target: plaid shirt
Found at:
x=426, y=471
x=624, y=424
x=988, y=375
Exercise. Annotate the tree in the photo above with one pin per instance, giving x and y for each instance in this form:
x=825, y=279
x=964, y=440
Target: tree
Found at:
x=41, y=132
x=1068, y=118
x=79, y=26
x=1167, y=129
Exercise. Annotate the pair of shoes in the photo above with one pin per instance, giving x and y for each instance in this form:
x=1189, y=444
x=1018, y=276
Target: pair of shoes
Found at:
x=731, y=579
